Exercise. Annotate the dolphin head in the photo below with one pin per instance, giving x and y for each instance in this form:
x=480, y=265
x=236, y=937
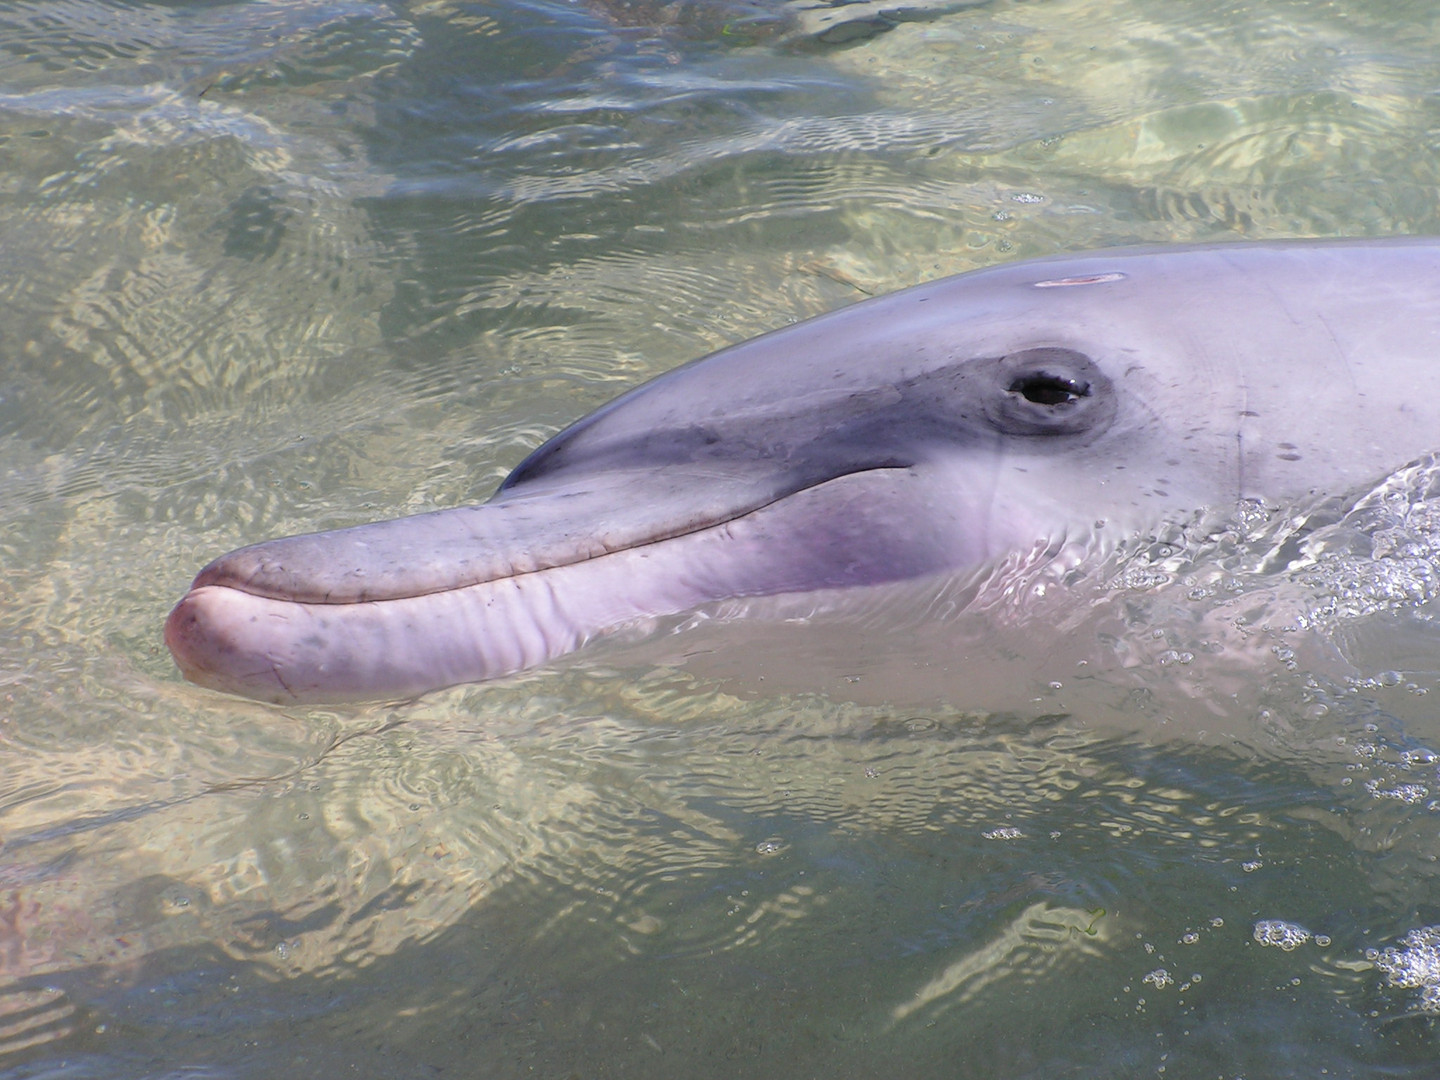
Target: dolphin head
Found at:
x=927, y=432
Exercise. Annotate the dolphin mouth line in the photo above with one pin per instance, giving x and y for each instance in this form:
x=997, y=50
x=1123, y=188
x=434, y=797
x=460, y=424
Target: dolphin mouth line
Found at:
x=215, y=575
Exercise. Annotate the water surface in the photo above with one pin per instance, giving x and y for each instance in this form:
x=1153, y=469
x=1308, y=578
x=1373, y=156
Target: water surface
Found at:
x=274, y=267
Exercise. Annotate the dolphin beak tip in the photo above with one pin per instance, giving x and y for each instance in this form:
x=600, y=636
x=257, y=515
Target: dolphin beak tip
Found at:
x=183, y=636
x=208, y=655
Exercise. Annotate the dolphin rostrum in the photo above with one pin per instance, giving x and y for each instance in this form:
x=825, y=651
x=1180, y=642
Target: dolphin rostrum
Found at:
x=1034, y=407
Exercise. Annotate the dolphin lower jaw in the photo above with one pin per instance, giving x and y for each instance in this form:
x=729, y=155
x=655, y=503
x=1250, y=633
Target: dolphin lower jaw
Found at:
x=289, y=651
x=861, y=529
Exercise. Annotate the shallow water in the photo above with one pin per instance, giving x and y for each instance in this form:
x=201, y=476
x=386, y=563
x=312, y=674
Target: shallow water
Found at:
x=273, y=267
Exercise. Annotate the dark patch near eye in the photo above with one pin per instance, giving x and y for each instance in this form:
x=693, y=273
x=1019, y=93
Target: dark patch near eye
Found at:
x=1055, y=392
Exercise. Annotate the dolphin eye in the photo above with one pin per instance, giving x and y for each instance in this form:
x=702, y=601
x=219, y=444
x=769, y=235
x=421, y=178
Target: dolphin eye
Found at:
x=1049, y=391
x=1042, y=388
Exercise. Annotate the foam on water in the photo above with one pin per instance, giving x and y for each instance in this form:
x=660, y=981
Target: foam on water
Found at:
x=1286, y=936
x=1413, y=965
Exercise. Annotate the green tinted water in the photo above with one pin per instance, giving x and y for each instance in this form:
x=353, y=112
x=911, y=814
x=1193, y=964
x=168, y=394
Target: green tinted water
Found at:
x=270, y=268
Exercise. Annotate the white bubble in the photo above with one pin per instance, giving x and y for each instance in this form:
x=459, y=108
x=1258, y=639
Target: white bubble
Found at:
x=1004, y=832
x=1281, y=934
x=1414, y=966
x=1406, y=793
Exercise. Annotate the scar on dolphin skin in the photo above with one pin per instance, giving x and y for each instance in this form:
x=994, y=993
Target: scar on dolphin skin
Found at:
x=1092, y=279
x=930, y=433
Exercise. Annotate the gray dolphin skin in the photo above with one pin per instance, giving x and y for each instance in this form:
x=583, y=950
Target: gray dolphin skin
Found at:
x=928, y=432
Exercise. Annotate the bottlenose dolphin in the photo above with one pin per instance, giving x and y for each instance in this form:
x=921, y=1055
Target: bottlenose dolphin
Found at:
x=1028, y=410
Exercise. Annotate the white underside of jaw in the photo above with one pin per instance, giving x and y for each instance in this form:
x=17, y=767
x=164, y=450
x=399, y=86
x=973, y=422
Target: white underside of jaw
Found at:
x=858, y=530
